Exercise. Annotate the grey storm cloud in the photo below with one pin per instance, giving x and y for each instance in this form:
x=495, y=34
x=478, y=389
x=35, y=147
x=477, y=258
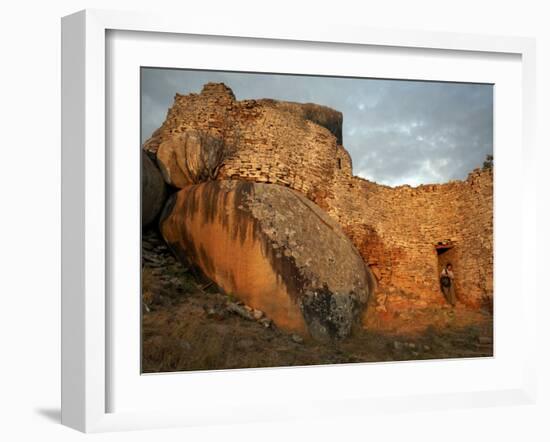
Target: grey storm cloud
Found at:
x=397, y=131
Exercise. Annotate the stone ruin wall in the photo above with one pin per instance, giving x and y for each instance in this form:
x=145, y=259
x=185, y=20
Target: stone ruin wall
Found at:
x=394, y=229
x=276, y=144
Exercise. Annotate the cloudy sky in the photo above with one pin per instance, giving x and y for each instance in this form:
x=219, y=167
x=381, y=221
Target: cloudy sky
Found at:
x=397, y=131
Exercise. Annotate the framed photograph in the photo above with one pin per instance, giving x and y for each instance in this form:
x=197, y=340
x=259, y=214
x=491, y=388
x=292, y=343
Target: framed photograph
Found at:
x=264, y=223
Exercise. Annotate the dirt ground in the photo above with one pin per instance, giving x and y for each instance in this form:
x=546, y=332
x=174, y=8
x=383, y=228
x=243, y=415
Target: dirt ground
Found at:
x=188, y=325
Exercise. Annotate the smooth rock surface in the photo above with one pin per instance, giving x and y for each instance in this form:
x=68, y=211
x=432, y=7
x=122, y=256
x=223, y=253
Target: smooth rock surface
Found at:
x=153, y=190
x=324, y=116
x=191, y=157
x=273, y=249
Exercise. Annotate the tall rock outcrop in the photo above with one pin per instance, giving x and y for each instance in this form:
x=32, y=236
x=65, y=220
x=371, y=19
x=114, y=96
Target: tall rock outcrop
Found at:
x=153, y=190
x=275, y=250
x=324, y=116
x=192, y=157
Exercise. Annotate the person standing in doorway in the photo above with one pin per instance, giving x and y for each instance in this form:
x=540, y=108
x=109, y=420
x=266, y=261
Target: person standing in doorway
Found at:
x=447, y=282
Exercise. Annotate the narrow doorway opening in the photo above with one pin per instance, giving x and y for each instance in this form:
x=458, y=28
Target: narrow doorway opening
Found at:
x=445, y=255
x=445, y=251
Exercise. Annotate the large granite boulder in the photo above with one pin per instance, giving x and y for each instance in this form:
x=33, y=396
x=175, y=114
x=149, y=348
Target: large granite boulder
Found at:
x=275, y=250
x=324, y=116
x=191, y=157
x=153, y=190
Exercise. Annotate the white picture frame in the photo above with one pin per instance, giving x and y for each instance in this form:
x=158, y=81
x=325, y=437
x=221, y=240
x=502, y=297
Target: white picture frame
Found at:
x=86, y=351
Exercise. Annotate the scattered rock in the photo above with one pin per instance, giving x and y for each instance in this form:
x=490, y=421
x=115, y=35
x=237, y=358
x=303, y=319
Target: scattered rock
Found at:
x=216, y=313
x=258, y=314
x=233, y=307
x=397, y=345
x=297, y=338
x=266, y=322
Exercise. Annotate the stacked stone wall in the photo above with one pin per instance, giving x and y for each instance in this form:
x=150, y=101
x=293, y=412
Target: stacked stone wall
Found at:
x=273, y=144
x=397, y=229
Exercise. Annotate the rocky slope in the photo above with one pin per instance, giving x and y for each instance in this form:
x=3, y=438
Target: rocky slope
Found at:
x=188, y=324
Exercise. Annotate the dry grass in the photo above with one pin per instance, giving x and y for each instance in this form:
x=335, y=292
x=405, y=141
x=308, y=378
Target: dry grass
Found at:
x=180, y=333
x=147, y=279
x=183, y=337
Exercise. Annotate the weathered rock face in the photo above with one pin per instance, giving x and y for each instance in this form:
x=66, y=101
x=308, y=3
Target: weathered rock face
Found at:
x=322, y=115
x=153, y=190
x=275, y=250
x=191, y=157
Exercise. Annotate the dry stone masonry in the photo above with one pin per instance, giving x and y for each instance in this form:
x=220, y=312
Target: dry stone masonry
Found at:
x=274, y=142
x=403, y=234
x=397, y=230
